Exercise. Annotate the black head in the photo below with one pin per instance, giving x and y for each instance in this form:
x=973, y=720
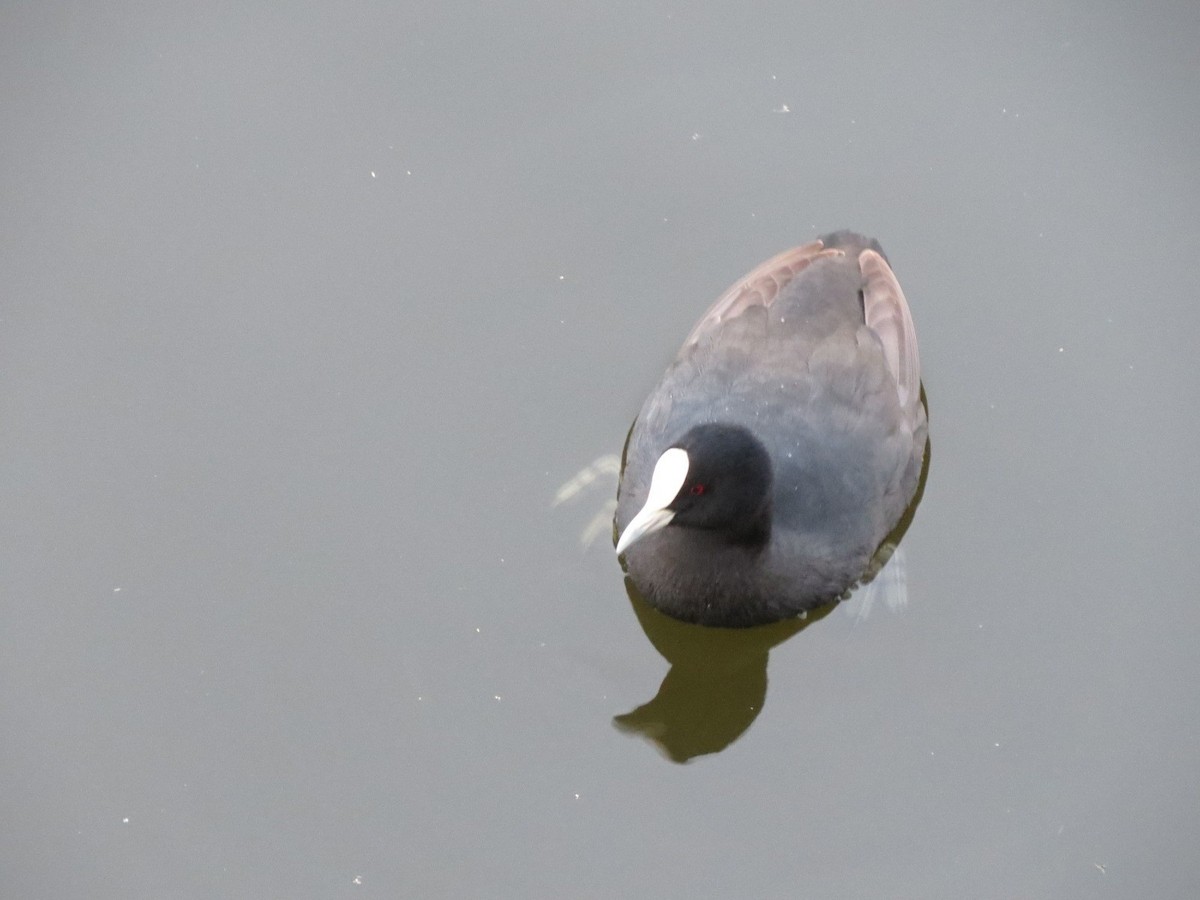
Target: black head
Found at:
x=716, y=478
x=728, y=484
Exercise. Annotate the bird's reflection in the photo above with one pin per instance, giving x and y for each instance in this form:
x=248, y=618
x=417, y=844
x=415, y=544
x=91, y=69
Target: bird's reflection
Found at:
x=716, y=685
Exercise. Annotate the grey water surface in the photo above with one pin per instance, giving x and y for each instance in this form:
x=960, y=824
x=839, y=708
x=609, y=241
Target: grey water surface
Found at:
x=306, y=312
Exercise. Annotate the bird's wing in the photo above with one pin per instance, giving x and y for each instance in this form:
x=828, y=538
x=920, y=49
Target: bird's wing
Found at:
x=759, y=287
x=887, y=314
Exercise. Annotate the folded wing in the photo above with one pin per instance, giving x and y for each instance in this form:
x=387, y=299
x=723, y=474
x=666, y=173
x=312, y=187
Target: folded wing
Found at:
x=887, y=314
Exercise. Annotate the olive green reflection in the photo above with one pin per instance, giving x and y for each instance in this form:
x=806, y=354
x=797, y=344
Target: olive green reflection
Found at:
x=716, y=685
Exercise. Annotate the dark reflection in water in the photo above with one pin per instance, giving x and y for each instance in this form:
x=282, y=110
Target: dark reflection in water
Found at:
x=717, y=683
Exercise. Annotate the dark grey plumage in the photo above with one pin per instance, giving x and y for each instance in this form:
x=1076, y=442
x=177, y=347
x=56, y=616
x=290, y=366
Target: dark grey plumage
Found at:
x=815, y=355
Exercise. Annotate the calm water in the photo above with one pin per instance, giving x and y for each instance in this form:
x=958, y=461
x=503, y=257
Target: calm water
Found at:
x=307, y=312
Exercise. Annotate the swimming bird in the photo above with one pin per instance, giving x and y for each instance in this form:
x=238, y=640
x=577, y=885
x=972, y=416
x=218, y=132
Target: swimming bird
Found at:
x=781, y=446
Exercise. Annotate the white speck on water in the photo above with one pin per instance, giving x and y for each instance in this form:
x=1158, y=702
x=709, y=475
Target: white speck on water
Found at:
x=1060, y=349
x=497, y=697
x=1101, y=868
x=477, y=631
x=357, y=879
x=408, y=171
x=562, y=277
x=996, y=745
x=372, y=174
x=695, y=135
x=125, y=820
x=782, y=108
x=576, y=796
x=116, y=590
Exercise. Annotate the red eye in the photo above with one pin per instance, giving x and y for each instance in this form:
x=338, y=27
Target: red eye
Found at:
x=698, y=489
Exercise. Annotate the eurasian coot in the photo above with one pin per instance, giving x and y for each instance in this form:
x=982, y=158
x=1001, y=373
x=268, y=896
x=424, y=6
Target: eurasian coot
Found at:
x=782, y=445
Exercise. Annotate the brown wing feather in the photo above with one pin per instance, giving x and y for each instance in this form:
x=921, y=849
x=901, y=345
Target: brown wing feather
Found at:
x=759, y=287
x=887, y=314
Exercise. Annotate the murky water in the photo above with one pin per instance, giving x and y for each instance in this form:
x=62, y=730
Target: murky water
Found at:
x=307, y=314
